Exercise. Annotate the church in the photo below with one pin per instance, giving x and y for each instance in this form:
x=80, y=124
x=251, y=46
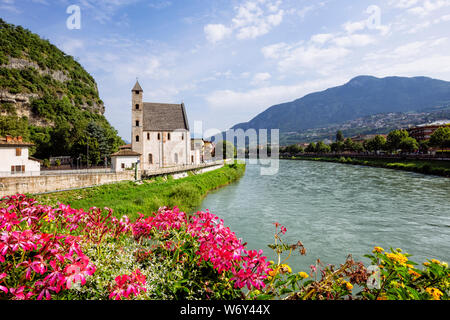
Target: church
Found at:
x=160, y=133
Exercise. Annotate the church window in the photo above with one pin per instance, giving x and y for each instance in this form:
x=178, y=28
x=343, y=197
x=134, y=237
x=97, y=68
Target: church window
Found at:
x=150, y=158
x=148, y=135
x=182, y=136
x=137, y=107
x=136, y=92
x=176, y=157
x=168, y=136
x=159, y=136
x=137, y=123
x=137, y=138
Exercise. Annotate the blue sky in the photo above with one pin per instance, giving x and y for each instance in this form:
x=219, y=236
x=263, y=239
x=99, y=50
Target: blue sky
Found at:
x=230, y=60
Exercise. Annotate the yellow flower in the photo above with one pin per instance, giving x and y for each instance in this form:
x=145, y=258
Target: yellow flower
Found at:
x=414, y=274
x=378, y=249
x=434, y=293
x=426, y=264
x=273, y=273
x=285, y=268
x=435, y=261
x=303, y=275
x=445, y=264
x=398, y=258
x=349, y=286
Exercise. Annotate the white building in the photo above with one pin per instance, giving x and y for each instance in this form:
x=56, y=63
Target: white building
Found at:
x=160, y=133
x=15, y=159
x=124, y=159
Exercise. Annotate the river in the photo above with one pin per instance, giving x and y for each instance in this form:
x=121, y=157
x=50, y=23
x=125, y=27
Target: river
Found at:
x=337, y=209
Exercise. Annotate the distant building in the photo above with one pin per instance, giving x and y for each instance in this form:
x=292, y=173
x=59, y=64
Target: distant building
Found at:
x=424, y=131
x=15, y=158
x=160, y=133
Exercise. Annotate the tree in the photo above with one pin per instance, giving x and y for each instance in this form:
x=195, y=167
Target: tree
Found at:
x=376, y=144
x=394, y=138
x=322, y=147
x=339, y=136
x=225, y=150
x=348, y=144
x=337, y=146
x=294, y=149
x=311, y=147
x=441, y=138
x=408, y=144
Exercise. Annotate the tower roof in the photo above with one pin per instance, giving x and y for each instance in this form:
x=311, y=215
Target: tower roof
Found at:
x=137, y=87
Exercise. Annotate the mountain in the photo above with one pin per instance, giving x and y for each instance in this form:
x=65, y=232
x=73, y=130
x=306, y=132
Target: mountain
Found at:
x=48, y=98
x=361, y=97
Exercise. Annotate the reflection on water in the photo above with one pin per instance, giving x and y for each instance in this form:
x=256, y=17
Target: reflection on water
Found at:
x=337, y=209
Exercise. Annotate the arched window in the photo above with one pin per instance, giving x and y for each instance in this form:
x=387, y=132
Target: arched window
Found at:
x=137, y=138
x=137, y=107
x=182, y=136
x=159, y=136
x=150, y=158
x=176, y=157
x=148, y=135
x=168, y=136
x=137, y=123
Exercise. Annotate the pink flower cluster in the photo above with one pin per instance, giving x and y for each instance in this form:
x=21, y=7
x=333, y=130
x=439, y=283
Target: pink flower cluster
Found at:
x=127, y=285
x=36, y=264
x=217, y=244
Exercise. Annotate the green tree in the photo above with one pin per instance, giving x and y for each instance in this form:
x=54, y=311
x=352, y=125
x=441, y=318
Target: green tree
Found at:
x=294, y=149
x=339, y=136
x=441, y=137
x=377, y=143
x=349, y=144
x=311, y=147
x=408, y=144
x=322, y=147
x=337, y=146
x=394, y=139
x=225, y=150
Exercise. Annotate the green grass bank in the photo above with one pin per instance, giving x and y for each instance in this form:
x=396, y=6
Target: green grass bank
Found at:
x=146, y=196
x=440, y=168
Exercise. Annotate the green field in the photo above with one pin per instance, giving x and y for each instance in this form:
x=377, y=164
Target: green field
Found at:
x=130, y=198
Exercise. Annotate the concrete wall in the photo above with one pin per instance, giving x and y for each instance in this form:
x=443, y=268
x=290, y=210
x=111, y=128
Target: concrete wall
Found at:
x=40, y=184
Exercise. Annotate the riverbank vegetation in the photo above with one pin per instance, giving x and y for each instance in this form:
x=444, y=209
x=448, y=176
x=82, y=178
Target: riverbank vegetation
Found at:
x=64, y=253
x=147, y=196
x=440, y=168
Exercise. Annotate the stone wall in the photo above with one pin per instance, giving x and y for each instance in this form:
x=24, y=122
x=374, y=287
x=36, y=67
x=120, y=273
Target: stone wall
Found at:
x=49, y=183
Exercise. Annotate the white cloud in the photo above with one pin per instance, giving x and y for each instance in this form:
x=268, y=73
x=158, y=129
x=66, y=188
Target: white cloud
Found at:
x=253, y=18
x=354, y=40
x=428, y=7
x=321, y=38
x=260, y=78
x=216, y=32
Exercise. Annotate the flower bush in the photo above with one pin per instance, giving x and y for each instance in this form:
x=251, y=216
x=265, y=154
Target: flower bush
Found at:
x=392, y=276
x=65, y=253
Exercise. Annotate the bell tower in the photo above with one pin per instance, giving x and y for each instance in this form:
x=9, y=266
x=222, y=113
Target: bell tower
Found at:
x=137, y=119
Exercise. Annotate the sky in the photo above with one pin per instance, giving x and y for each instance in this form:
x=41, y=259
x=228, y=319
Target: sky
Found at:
x=230, y=60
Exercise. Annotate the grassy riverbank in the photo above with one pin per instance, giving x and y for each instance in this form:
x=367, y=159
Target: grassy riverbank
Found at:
x=441, y=168
x=129, y=198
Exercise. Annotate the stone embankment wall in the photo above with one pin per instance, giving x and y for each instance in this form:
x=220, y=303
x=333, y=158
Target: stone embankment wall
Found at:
x=49, y=183
x=65, y=181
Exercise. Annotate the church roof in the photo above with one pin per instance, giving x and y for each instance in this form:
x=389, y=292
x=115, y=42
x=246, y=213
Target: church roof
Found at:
x=164, y=117
x=137, y=87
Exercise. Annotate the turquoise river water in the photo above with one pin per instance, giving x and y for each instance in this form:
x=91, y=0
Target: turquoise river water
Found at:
x=337, y=209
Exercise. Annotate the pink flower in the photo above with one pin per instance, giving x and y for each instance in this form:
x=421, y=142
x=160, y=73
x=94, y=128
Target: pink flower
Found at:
x=126, y=285
x=3, y=288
